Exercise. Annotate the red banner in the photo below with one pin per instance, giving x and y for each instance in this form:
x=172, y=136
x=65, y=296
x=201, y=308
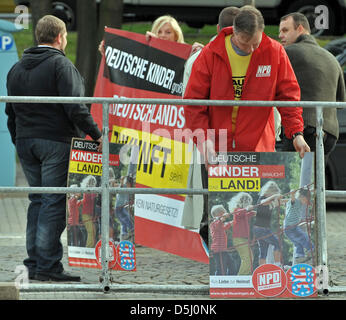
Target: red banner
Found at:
x=135, y=68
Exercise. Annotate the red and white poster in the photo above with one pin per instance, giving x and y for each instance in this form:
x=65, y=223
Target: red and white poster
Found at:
x=135, y=68
x=84, y=209
x=262, y=225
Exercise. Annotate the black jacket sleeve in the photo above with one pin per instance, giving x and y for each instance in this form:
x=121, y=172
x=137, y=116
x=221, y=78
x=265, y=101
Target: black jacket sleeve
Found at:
x=11, y=121
x=70, y=83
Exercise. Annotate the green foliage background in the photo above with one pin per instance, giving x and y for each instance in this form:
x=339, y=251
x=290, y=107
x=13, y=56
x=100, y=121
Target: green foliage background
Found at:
x=24, y=39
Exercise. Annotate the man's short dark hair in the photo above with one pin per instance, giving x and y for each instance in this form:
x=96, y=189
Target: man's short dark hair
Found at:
x=298, y=19
x=227, y=16
x=249, y=20
x=48, y=28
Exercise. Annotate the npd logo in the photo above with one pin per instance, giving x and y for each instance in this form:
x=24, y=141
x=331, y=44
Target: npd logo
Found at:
x=269, y=280
x=6, y=42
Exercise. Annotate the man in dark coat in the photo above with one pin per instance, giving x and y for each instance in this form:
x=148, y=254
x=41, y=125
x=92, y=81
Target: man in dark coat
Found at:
x=320, y=78
x=42, y=133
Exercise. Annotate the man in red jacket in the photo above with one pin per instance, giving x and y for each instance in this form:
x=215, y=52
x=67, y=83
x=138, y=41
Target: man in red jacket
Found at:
x=243, y=63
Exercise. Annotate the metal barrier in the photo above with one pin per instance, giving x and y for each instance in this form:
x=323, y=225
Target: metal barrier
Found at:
x=105, y=189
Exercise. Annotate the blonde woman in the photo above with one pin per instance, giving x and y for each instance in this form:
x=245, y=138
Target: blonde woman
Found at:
x=267, y=205
x=241, y=208
x=166, y=28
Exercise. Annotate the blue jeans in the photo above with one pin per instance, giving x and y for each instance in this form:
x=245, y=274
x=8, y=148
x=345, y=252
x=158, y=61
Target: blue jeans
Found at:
x=265, y=237
x=45, y=164
x=223, y=263
x=125, y=220
x=300, y=240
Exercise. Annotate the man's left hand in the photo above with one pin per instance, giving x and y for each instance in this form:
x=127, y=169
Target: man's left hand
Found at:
x=300, y=145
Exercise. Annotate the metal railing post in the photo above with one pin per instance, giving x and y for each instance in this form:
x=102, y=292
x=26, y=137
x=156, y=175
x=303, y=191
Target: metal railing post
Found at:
x=105, y=201
x=321, y=196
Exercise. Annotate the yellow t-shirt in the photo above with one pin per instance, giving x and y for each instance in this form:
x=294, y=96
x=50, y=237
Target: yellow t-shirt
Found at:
x=239, y=65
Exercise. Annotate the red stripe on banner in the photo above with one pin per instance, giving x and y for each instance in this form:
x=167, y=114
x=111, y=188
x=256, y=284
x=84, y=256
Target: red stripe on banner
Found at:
x=181, y=50
x=182, y=242
x=170, y=196
x=105, y=88
x=91, y=263
x=83, y=263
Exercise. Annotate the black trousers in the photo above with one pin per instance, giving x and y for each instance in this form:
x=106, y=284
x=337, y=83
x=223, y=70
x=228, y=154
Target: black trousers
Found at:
x=204, y=223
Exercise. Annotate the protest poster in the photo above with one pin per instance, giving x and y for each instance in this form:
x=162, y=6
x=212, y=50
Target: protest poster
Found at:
x=84, y=209
x=132, y=67
x=262, y=225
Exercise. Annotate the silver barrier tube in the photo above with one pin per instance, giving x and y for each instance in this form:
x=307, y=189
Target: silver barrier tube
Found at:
x=336, y=194
x=105, y=201
x=337, y=289
x=328, y=193
x=99, y=190
x=156, y=288
x=320, y=197
x=191, y=102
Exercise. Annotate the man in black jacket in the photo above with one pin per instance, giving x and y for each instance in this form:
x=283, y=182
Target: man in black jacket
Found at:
x=42, y=133
x=320, y=78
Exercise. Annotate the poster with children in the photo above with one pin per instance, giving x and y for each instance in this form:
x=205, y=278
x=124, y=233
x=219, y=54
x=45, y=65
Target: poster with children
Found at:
x=262, y=225
x=84, y=209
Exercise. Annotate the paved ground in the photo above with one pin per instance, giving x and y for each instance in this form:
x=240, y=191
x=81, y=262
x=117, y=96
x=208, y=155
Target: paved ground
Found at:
x=154, y=268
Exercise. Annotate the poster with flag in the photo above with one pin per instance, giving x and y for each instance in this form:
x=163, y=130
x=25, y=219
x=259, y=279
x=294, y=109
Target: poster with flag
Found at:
x=83, y=210
x=262, y=225
x=132, y=67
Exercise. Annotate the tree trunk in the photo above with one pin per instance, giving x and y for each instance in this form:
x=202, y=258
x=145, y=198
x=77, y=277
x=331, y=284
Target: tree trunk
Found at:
x=87, y=43
x=39, y=8
x=90, y=26
x=110, y=15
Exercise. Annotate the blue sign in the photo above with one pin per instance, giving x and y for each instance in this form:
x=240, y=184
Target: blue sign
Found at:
x=8, y=57
x=6, y=42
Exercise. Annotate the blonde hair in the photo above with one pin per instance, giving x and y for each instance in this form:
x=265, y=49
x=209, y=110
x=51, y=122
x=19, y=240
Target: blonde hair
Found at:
x=241, y=200
x=161, y=21
x=88, y=181
x=217, y=209
x=270, y=188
